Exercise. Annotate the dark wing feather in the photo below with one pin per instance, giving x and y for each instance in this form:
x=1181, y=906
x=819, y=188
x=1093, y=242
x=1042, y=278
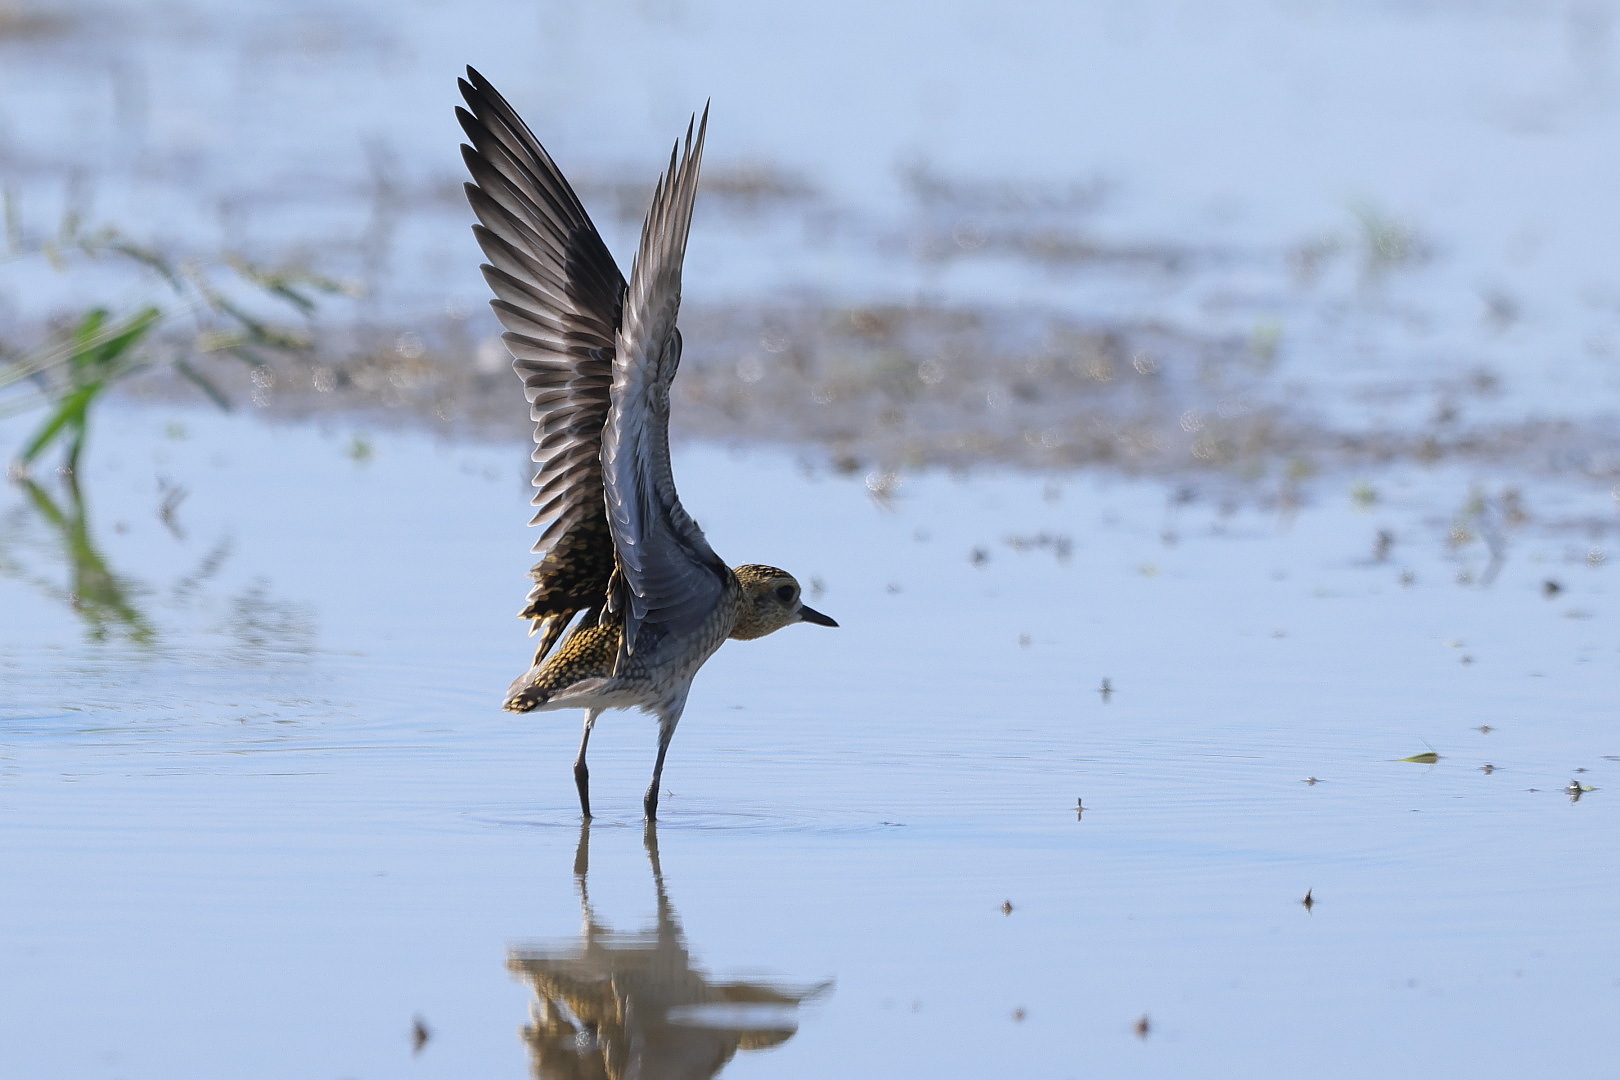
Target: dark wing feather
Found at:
x=670, y=579
x=558, y=293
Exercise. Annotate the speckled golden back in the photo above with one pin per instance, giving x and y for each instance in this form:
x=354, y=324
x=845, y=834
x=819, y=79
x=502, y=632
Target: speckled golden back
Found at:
x=588, y=653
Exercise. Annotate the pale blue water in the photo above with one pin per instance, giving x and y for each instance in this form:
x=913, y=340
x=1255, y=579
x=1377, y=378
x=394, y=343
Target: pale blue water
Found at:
x=263, y=842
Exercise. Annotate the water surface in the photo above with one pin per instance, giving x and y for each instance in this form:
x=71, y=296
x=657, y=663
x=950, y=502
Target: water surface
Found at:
x=263, y=812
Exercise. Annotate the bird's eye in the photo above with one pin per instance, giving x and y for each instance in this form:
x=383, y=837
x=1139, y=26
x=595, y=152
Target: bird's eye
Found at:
x=784, y=593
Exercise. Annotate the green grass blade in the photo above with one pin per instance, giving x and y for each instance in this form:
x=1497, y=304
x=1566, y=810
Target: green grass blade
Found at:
x=203, y=383
x=125, y=337
x=70, y=410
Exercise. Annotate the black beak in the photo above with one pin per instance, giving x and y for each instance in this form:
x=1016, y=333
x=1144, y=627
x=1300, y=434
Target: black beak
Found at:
x=810, y=614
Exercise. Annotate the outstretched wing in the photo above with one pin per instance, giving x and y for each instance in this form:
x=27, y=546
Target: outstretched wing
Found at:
x=670, y=579
x=558, y=293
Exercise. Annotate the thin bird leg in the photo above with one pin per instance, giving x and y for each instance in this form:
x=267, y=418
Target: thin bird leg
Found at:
x=666, y=731
x=582, y=775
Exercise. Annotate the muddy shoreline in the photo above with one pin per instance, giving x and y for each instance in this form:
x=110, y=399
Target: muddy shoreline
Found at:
x=892, y=388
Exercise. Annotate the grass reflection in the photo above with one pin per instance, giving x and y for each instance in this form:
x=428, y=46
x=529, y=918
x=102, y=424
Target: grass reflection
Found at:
x=103, y=599
x=617, y=1005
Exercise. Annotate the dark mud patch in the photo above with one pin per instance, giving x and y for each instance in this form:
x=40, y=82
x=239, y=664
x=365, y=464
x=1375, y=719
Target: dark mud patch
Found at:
x=900, y=387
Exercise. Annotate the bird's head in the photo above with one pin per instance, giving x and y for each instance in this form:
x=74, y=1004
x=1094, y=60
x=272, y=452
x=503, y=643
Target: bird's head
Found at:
x=771, y=601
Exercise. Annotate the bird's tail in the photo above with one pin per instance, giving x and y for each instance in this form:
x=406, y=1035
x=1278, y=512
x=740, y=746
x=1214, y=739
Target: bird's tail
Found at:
x=527, y=692
x=583, y=665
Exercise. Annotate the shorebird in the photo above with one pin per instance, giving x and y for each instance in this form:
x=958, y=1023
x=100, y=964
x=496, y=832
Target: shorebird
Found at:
x=625, y=572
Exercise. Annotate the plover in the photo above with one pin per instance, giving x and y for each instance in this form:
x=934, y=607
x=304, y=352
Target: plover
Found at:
x=625, y=572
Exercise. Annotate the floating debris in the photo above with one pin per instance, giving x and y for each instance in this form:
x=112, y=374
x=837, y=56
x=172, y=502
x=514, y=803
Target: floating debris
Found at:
x=1575, y=789
x=1142, y=1026
x=1059, y=544
x=420, y=1034
x=1428, y=757
x=1310, y=781
x=173, y=495
x=1382, y=545
x=1105, y=691
x=1487, y=768
x=1309, y=901
x=883, y=487
x=1006, y=907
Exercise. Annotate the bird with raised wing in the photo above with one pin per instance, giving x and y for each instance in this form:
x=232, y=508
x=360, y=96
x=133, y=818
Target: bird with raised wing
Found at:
x=629, y=600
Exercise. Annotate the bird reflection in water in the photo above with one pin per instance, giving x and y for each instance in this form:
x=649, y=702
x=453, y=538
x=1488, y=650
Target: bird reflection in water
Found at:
x=102, y=599
x=636, y=1005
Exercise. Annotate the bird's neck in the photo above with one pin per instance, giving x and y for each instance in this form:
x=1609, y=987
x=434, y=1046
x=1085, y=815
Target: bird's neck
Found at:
x=746, y=624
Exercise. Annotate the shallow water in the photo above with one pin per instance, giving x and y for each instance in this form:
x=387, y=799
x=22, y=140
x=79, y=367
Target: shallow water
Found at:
x=274, y=814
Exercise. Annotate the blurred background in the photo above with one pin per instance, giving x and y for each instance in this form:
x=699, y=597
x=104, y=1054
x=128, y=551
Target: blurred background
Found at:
x=1233, y=236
